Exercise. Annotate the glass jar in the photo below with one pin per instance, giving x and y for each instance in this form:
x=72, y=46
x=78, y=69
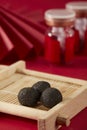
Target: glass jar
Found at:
x=80, y=9
x=59, y=39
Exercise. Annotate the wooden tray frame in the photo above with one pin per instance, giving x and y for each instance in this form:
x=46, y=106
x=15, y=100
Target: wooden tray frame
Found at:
x=61, y=114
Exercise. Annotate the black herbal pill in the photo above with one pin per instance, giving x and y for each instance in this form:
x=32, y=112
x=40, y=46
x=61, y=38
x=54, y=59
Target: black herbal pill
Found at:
x=50, y=97
x=28, y=97
x=41, y=86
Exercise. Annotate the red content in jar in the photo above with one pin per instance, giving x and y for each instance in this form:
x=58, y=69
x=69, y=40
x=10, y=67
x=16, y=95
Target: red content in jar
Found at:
x=55, y=53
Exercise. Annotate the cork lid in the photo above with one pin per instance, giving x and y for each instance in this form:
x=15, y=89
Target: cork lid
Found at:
x=80, y=5
x=80, y=8
x=59, y=17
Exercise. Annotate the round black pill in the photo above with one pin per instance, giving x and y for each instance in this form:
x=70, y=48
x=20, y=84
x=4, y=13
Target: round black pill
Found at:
x=50, y=97
x=41, y=86
x=28, y=97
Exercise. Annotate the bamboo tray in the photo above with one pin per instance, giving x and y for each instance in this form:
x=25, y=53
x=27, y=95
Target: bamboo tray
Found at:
x=16, y=76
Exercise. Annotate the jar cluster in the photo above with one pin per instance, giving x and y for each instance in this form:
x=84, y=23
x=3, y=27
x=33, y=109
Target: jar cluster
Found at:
x=67, y=32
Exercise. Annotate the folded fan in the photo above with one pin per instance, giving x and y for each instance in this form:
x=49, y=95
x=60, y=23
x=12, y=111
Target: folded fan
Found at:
x=6, y=45
x=26, y=30
x=33, y=18
x=22, y=46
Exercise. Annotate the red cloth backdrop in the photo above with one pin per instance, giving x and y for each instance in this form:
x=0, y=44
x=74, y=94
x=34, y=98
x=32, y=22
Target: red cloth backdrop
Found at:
x=34, y=4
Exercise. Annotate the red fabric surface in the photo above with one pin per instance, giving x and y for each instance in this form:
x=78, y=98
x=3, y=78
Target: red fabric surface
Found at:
x=8, y=122
x=78, y=69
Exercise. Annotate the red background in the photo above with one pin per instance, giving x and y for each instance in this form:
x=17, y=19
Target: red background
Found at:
x=35, y=4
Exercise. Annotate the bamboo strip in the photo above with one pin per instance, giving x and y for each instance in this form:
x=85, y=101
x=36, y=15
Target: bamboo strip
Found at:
x=19, y=84
x=53, y=77
x=7, y=72
x=8, y=97
x=22, y=111
x=5, y=82
x=3, y=67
